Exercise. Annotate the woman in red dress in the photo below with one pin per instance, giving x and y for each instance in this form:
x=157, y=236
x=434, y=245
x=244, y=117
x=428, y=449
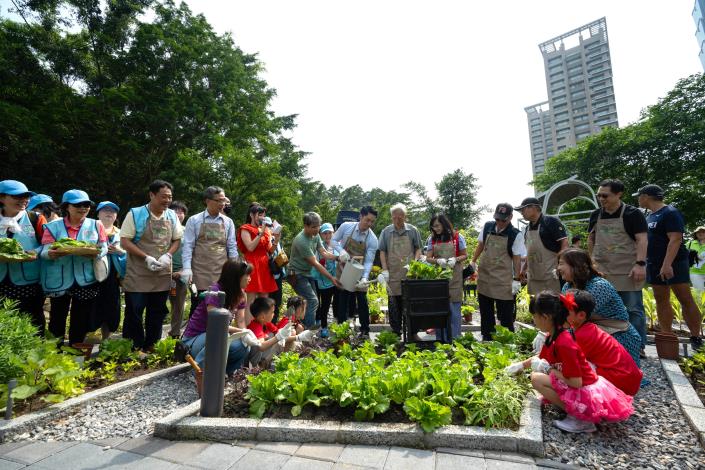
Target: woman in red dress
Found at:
x=254, y=240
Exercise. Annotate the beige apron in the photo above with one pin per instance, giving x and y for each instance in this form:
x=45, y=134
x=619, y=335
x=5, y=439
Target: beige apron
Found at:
x=495, y=271
x=401, y=252
x=447, y=250
x=356, y=250
x=614, y=253
x=155, y=241
x=209, y=254
x=609, y=325
x=542, y=263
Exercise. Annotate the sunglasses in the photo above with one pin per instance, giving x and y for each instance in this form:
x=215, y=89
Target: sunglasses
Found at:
x=18, y=197
x=82, y=205
x=603, y=195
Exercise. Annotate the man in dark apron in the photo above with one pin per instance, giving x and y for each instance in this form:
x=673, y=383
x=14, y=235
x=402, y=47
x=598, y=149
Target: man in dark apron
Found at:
x=399, y=244
x=499, y=250
x=617, y=242
x=208, y=242
x=359, y=241
x=150, y=234
x=545, y=237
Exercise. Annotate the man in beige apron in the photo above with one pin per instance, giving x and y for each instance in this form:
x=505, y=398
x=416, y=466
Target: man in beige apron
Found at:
x=358, y=240
x=208, y=242
x=150, y=234
x=617, y=242
x=399, y=244
x=499, y=251
x=545, y=237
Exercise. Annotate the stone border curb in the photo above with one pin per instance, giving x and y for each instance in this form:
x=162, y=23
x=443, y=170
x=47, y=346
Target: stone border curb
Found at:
x=182, y=425
x=44, y=415
x=377, y=327
x=688, y=399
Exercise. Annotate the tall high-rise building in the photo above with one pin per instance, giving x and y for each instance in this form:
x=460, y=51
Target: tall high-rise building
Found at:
x=580, y=92
x=699, y=17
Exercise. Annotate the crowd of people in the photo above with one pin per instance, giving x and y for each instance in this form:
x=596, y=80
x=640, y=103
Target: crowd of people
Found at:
x=159, y=255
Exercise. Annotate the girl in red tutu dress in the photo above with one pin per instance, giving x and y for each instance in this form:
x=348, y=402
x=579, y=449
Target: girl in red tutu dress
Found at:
x=562, y=374
x=255, y=243
x=601, y=349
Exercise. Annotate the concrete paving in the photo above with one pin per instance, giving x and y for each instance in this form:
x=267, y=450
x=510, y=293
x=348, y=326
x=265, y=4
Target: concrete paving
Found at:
x=153, y=453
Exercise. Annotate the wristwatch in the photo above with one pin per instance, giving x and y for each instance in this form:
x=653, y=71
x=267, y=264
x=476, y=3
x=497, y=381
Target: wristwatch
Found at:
x=640, y=263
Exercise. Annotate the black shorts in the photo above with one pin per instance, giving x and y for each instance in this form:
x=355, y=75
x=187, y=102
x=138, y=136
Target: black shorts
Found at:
x=681, y=273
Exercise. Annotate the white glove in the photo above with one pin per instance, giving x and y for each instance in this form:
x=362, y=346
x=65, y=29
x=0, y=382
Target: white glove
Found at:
x=514, y=369
x=186, y=275
x=362, y=284
x=451, y=262
x=516, y=287
x=540, y=365
x=284, y=332
x=382, y=279
x=153, y=264
x=165, y=260
x=422, y=258
x=539, y=342
x=442, y=262
x=305, y=336
x=344, y=257
x=385, y=275
x=249, y=339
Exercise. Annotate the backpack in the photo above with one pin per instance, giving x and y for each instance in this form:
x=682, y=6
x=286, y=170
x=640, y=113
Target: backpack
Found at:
x=511, y=232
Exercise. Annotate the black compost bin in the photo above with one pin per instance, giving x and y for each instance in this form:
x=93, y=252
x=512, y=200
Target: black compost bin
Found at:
x=425, y=304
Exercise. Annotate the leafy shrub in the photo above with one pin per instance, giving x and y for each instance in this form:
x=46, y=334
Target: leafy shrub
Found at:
x=117, y=350
x=17, y=336
x=163, y=353
x=340, y=332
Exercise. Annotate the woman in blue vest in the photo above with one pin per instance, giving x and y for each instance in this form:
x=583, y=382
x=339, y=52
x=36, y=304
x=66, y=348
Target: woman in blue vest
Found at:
x=70, y=279
x=20, y=281
x=106, y=314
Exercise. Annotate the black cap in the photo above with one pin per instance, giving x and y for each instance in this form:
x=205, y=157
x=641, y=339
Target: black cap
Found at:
x=652, y=190
x=503, y=211
x=529, y=201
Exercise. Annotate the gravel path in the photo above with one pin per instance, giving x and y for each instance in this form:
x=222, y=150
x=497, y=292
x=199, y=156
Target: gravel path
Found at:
x=657, y=436
x=130, y=414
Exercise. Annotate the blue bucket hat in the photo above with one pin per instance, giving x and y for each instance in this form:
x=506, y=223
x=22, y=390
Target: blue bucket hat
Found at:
x=327, y=227
x=105, y=204
x=75, y=196
x=38, y=199
x=14, y=188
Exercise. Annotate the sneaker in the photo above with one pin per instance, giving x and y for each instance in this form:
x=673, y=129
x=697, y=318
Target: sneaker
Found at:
x=696, y=342
x=571, y=424
x=364, y=335
x=642, y=354
x=324, y=333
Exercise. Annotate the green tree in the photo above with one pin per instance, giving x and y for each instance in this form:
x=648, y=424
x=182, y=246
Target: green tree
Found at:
x=457, y=197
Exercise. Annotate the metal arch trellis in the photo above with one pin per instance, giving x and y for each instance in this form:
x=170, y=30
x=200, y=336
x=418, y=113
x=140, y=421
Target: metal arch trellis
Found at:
x=563, y=192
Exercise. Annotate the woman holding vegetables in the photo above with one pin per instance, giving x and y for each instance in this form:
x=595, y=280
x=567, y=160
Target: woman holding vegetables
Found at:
x=446, y=248
x=70, y=279
x=20, y=232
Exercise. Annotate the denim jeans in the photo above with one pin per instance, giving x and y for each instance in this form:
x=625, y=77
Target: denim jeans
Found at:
x=135, y=304
x=634, y=302
x=306, y=288
x=456, y=320
x=237, y=352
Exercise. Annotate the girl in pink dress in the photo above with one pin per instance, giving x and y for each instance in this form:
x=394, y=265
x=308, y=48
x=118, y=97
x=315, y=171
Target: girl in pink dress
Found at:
x=562, y=374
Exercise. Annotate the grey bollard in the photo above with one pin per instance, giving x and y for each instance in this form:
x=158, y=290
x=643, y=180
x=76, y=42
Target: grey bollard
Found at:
x=215, y=361
x=10, y=386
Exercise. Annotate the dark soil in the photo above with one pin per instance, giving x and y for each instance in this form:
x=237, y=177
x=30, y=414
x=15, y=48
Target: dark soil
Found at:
x=36, y=403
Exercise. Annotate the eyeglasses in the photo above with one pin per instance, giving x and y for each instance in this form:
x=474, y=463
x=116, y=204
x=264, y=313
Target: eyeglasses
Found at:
x=603, y=195
x=219, y=201
x=499, y=220
x=82, y=205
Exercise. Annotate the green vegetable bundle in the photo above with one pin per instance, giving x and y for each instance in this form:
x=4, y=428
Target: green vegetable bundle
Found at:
x=71, y=243
x=420, y=270
x=11, y=249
